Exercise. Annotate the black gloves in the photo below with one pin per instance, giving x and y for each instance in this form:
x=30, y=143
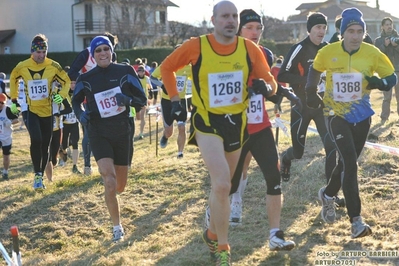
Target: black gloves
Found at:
x=377, y=83
x=290, y=95
x=178, y=110
x=313, y=100
x=260, y=86
x=122, y=100
x=84, y=118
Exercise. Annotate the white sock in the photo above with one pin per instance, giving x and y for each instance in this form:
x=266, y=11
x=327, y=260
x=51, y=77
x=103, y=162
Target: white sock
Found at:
x=179, y=152
x=236, y=197
x=5, y=171
x=243, y=185
x=328, y=197
x=118, y=227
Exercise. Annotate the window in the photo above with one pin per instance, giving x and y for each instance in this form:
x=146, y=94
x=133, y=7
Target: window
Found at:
x=125, y=14
x=160, y=17
x=89, y=17
x=87, y=41
x=107, y=17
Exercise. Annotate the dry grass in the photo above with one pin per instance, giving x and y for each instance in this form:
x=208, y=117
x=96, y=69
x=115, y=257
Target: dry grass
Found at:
x=164, y=202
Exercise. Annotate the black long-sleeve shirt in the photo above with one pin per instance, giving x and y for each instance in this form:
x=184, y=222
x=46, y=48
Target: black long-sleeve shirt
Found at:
x=104, y=79
x=295, y=67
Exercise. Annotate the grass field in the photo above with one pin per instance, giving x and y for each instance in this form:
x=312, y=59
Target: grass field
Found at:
x=163, y=208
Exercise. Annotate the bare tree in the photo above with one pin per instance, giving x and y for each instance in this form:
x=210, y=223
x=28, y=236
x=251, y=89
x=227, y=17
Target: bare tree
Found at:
x=133, y=21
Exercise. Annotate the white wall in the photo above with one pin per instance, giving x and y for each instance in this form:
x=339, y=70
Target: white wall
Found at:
x=29, y=17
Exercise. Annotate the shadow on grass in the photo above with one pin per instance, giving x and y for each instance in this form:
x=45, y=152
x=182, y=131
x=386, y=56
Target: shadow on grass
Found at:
x=33, y=218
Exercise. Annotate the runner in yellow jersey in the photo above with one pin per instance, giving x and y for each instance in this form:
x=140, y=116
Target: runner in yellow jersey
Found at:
x=350, y=66
x=222, y=63
x=183, y=76
x=38, y=73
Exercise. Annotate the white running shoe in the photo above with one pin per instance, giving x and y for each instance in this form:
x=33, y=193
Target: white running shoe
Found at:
x=118, y=235
x=87, y=170
x=277, y=242
x=328, y=207
x=236, y=212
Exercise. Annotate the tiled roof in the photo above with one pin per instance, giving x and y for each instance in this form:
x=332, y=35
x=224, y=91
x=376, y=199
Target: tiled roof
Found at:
x=5, y=34
x=331, y=9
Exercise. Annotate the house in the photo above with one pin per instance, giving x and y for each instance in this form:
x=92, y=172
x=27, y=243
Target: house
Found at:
x=70, y=25
x=333, y=8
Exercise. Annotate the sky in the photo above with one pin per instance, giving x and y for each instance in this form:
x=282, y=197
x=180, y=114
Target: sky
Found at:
x=195, y=11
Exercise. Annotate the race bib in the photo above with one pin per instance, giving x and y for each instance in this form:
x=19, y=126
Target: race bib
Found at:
x=255, y=109
x=180, y=83
x=347, y=87
x=70, y=118
x=225, y=88
x=106, y=103
x=38, y=89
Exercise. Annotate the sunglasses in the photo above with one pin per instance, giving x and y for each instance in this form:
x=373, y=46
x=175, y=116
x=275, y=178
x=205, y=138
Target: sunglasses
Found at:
x=140, y=70
x=99, y=50
x=1, y=102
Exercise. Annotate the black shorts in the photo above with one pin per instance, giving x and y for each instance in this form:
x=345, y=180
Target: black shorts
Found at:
x=230, y=128
x=110, y=139
x=166, y=106
x=6, y=149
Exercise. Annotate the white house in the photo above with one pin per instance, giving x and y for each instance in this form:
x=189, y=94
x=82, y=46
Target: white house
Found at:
x=71, y=24
x=333, y=8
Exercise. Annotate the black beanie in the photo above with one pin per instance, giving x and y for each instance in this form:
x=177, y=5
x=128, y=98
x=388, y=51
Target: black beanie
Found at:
x=316, y=18
x=248, y=15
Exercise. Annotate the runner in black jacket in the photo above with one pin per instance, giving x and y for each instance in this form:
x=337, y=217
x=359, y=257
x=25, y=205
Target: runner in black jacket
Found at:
x=110, y=89
x=295, y=71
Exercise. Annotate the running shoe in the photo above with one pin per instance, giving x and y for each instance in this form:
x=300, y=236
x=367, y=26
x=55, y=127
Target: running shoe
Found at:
x=87, y=170
x=5, y=176
x=212, y=245
x=360, y=229
x=277, y=242
x=285, y=170
x=38, y=181
x=141, y=136
x=75, y=170
x=236, y=212
x=118, y=235
x=163, y=142
x=328, y=207
x=61, y=163
x=180, y=156
x=223, y=258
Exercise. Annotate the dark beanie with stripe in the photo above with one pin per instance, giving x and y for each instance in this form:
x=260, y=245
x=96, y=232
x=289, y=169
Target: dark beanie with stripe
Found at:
x=315, y=19
x=248, y=15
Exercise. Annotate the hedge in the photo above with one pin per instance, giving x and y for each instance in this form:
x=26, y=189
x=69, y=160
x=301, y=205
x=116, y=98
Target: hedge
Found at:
x=8, y=62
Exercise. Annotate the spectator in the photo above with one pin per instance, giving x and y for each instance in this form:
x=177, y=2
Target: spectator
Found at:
x=388, y=43
x=7, y=119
